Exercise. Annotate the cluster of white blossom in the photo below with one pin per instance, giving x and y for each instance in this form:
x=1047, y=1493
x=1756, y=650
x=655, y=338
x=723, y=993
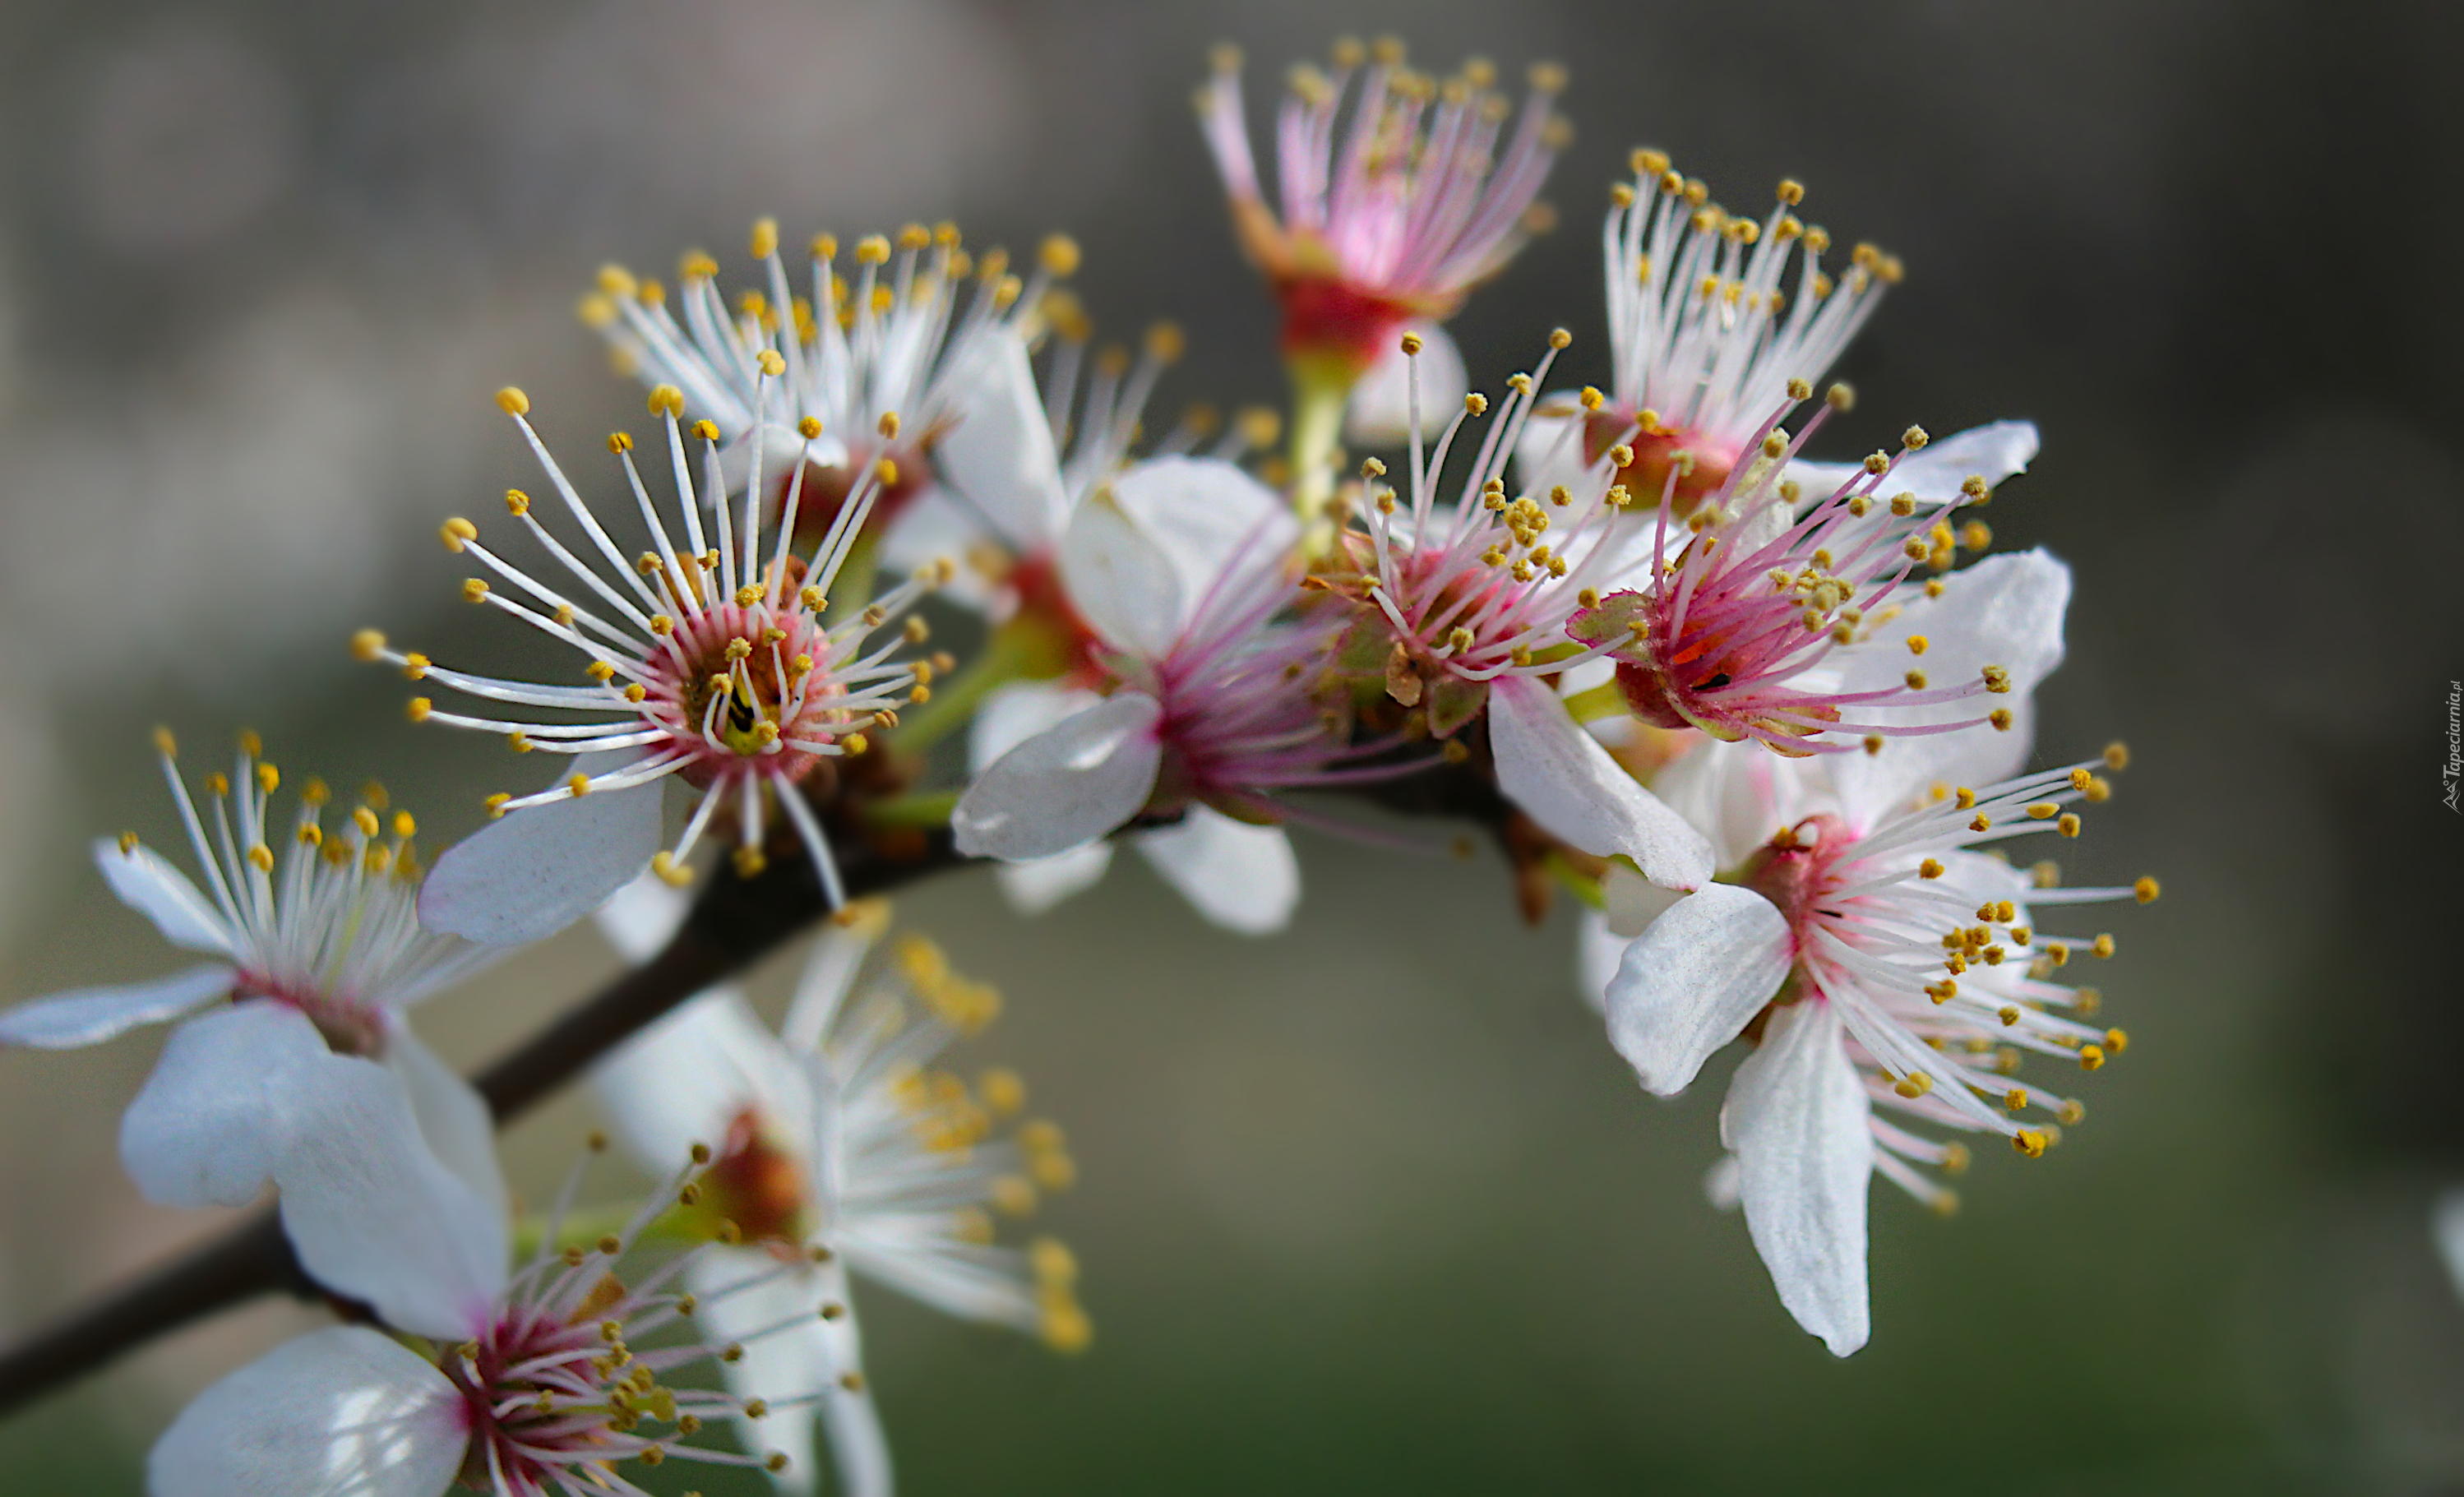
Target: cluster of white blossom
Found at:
x=1767, y=716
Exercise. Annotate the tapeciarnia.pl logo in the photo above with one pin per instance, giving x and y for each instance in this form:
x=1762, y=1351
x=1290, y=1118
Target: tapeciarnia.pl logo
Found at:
x=2452, y=773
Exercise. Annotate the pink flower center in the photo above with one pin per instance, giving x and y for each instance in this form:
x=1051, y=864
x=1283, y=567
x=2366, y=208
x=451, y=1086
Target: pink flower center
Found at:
x=1701, y=467
x=349, y=1027
x=1330, y=318
x=1799, y=871
x=740, y=686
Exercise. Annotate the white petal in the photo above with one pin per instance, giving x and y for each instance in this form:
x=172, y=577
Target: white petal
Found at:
x=203, y=1132
x=1550, y=452
x=777, y=1367
x=1795, y=1117
x=1017, y=711
x=1689, y=983
x=641, y=918
x=1993, y=452
x=530, y=875
x=1210, y=518
x=685, y=1078
x=1000, y=455
x=1561, y=778
x=1379, y=411
x=1064, y=788
x=89, y=1015
x=2004, y=610
x=1037, y=885
x=2447, y=1228
x=343, y=1412
x=149, y=884
x=452, y=1118
x=372, y=1214
x=1244, y=878
x=1121, y=580
x=1739, y=794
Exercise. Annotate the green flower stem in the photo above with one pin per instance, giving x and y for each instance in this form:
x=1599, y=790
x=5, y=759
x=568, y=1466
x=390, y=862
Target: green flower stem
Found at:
x=1006, y=656
x=1320, y=387
x=924, y=811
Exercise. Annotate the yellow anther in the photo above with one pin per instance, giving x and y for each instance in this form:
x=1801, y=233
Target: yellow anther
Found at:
x=473, y=589
x=619, y=443
x=2044, y=810
x=418, y=708
x=599, y=669
x=579, y=785
x=512, y=402
x=770, y=363
x=2030, y=1142
x=2068, y=824
x=706, y=429
x=365, y=645
x=2091, y=1056
x=1476, y=403
x=662, y=625
x=1058, y=255
x=887, y=472
x=1916, y=680
x=1929, y=869
x=456, y=532
x=495, y=804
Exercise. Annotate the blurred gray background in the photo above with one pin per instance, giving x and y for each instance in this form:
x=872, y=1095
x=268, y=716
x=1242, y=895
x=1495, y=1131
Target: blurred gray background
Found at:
x=1374, y=1207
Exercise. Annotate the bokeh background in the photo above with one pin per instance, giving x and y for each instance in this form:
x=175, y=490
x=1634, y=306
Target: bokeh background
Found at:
x=1372, y=1207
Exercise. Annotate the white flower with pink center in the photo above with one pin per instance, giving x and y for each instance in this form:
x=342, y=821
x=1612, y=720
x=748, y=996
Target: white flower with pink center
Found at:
x=554, y=1380
x=1711, y=319
x=1182, y=569
x=318, y=957
x=843, y=1145
x=1392, y=211
x=1767, y=626
x=1465, y=611
x=713, y=658
x=1875, y=957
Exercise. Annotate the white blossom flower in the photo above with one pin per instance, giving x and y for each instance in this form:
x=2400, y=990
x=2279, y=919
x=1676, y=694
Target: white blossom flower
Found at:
x=708, y=659
x=1874, y=957
x=843, y=1148
x=890, y=344
x=520, y=1384
x=1181, y=568
x=1797, y=631
x=1464, y=612
x=1707, y=336
x=317, y=955
x=1390, y=213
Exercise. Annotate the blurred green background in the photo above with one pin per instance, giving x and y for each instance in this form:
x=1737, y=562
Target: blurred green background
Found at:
x=1372, y=1207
